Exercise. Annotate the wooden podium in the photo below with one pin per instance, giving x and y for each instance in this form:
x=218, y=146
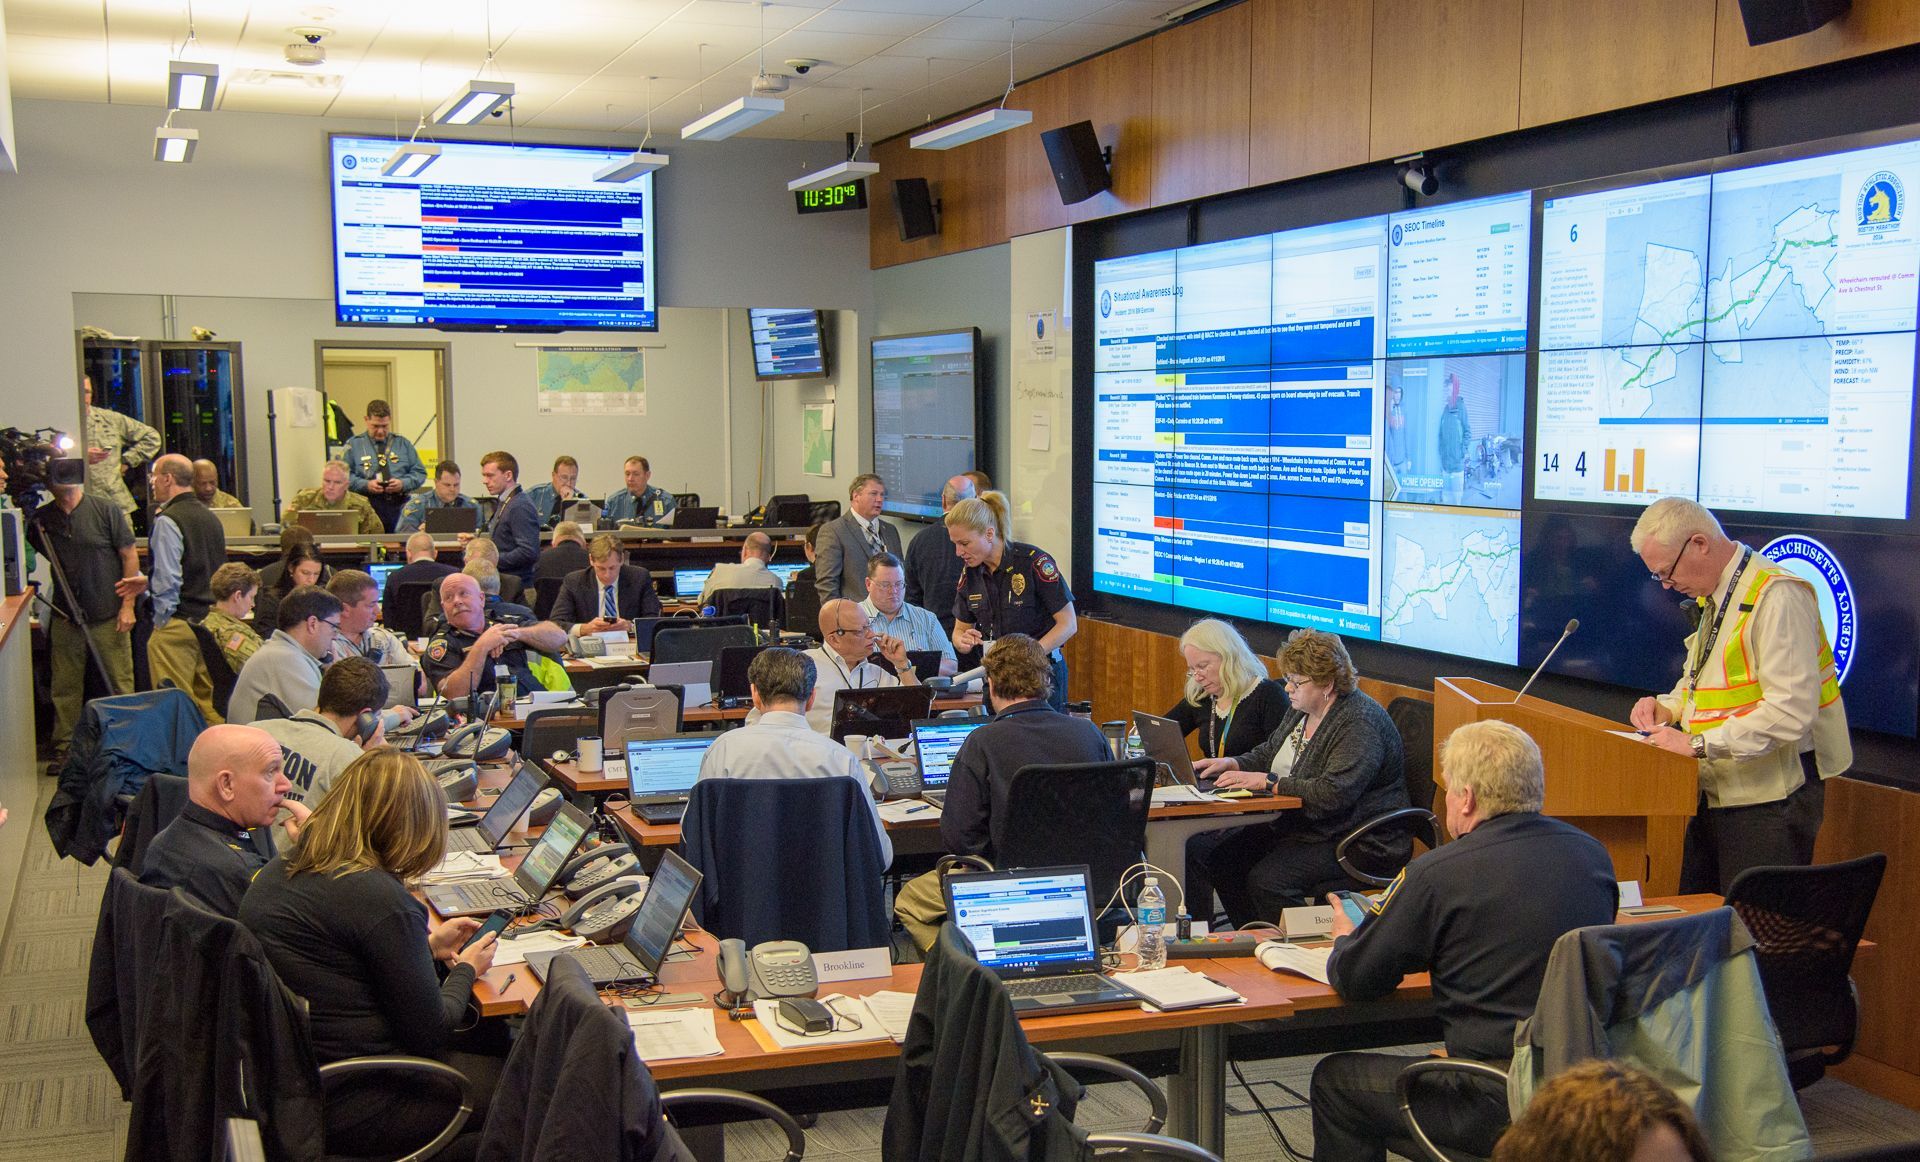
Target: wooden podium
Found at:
x=1631, y=796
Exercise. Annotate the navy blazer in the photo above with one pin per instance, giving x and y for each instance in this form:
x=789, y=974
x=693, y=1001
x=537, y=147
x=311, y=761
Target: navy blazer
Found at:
x=579, y=599
x=516, y=533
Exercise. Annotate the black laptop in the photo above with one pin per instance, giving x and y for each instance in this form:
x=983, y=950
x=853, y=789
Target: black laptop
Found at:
x=636, y=959
x=888, y=711
x=730, y=674
x=447, y=522
x=1033, y=927
x=530, y=881
x=1165, y=742
x=491, y=829
x=691, y=517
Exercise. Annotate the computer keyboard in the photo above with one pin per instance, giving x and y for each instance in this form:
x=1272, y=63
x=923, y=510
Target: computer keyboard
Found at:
x=1054, y=986
x=467, y=839
x=483, y=894
x=599, y=963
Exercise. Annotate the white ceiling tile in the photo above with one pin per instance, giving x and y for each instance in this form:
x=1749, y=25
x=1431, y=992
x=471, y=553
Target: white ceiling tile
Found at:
x=991, y=31
x=745, y=14
x=1138, y=11
x=895, y=24
x=916, y=7
x=952, y=50
x=1090, y=35
x=1055, y=10
x=837, y=48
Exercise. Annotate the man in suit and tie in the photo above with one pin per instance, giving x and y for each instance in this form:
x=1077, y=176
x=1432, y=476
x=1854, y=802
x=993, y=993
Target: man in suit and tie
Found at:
x=608, y=594
x=842, y=549
x=515, y=527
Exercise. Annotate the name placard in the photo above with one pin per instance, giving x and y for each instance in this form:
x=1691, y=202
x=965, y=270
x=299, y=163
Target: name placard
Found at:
x=856, y=964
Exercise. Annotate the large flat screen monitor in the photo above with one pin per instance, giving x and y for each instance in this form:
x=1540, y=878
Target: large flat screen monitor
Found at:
x=929, y=415
x=490, y=236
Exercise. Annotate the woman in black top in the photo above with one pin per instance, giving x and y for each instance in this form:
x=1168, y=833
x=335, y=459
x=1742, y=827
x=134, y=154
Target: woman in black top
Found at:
x=342, y=931
x=1007, y=587
x=1340, y=754
x=1230, y=702
x=299, y=565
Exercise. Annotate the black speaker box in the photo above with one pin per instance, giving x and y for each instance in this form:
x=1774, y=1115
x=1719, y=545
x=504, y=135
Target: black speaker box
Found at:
x=1079, y=166
x=913, y=204
x=1771, y=20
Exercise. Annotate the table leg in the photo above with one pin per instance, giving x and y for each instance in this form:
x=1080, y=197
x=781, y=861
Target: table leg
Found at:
x=1197, y=1105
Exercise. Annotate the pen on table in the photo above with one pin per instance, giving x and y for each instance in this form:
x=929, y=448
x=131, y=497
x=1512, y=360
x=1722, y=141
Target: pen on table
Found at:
x=911, y=810
x=511, y=977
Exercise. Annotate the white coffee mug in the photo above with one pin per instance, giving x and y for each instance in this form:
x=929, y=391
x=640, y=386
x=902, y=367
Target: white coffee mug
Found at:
x=592, y=758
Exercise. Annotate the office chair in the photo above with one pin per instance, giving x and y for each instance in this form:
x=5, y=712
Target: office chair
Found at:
x=1806, y=923
x=405, y=613
x=686, y=500
x=788, y=510
x=158, y=803
x=270, y=706
x=117, y=744
x=764, y=606
x=963, y=1034
x=787, y=859
x=821, y=510
x=217, y=668
x=697, y=643
x=1071, y=813
x=1414, y=720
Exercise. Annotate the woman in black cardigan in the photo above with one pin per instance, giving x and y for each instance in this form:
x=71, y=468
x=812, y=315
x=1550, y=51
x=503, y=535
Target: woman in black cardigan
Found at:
x=342, y=930
x=1230, y=702
x=1339, y=753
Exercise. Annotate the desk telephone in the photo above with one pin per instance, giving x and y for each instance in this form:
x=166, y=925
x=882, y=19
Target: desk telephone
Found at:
x=603, y=915
x=894, y=775
x=596, y=868
x=777, y=968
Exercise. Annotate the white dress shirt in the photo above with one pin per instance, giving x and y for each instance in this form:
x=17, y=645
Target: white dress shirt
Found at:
x=831, y=674
x=783, y=745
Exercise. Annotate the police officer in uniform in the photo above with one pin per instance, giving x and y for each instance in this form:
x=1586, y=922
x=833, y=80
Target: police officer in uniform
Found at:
x=384, y=467
x=461, y=657
x=445, y=493
x=640, y=502
x=1007, y=587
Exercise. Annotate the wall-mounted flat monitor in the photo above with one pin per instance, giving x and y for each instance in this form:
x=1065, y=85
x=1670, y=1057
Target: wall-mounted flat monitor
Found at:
x=929, y=415
x=492, y=236
x=788, y=343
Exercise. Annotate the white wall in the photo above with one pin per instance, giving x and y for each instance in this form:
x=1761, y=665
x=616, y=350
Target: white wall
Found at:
x=1039, y=479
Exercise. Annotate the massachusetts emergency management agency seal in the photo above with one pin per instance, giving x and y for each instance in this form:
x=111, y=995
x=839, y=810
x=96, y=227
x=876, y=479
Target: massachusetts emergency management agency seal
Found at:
x=1812, y=561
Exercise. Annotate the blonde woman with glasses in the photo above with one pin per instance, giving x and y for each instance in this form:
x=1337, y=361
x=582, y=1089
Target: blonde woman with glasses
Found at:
x=1229, y=701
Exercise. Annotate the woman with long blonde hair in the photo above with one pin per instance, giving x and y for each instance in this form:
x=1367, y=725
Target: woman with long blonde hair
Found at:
x=1007, y=586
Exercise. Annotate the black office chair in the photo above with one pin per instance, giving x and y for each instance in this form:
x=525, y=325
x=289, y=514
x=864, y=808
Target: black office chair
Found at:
x=764, y=606
x=803, y=607
x=159, y=802
x=820, y=510
x=405, y=611
x=963, y=1034
x=1090, y=813
x=1806, y=923
x=217, y=668
x=1357, y=851
x=556, y=728
x=697, y=643
x=270, y=707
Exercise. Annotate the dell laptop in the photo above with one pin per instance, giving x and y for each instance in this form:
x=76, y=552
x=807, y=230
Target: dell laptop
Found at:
x=687, y=583
x=1033, y=928
x=530, y=881
x=935, y=742
x=661, y=773
x=637, y=958
x=447, y=522
x=490, y=830
x=888, y=711
x=1165, y=742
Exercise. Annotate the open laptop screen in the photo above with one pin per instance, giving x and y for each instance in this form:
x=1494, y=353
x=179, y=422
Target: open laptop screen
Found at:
x=542, y=866
x=658, y=921
x=666, y=766
x=689, y=582
x=936, y=741
x=512, y=803
x=1031, y=922
x=381, y=572
x=888, y=711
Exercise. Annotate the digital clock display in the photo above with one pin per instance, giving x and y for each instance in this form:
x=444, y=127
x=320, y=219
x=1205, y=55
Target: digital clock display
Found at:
x=846, y=196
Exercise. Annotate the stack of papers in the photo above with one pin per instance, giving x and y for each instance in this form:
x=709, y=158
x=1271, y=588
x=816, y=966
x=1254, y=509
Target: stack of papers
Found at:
x=465, y=865
x=892, y=1010
x=1179, y=988
x=908, y=811
x=608, y=660
x=847, y=1011
x=1283, y=957
x=516, y=949
x=666, y=1034
x=1180, y=793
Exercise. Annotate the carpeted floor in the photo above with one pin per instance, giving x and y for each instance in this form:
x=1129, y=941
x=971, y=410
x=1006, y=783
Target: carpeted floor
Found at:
x=59, y=1103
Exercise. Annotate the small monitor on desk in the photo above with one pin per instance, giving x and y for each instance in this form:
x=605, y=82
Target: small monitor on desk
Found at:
x=381, y=572
x=786, y=572
x=235, y=522
x=443, y=522
x=328, y=522
x=689, y=517
x=687, y=583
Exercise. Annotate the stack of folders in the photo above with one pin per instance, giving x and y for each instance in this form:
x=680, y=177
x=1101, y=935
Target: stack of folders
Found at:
x=1179, y=988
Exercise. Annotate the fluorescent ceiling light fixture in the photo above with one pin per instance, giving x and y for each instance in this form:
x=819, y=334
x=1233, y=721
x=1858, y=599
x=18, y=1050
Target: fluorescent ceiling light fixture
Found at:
x=472, y=101
x=410, y=159
x=972, y=128
x=174, y=144
x=640, y=161
x=191, y=85
x=835, y=175
x=729, y=119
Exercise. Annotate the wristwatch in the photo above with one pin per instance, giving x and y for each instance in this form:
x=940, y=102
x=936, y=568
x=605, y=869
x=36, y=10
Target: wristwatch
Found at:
x=1699, y=743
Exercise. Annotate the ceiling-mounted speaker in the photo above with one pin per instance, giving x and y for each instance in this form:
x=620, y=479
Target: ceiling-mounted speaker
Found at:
x=1771, y=20
x=913, y=204
x=1079, y=164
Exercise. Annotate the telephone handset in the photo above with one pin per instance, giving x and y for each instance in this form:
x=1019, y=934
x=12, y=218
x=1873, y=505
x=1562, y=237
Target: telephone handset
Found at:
x=895, y=775
x=777, y=968
x=596, y=868
x=604, y=914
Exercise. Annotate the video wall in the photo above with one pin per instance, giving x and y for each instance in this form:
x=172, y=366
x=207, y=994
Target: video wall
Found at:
x=1348, y=425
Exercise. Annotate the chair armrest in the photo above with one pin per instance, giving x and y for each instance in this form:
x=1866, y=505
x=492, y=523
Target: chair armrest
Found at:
x=1149, y=1146
x=1156, y=1101
x=796, y=1137
x=1403, y=1089
x=952, y=862
x=425, y=1067
x=1426, y=831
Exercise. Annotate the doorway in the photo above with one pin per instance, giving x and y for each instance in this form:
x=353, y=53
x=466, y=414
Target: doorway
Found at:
x=413, y=378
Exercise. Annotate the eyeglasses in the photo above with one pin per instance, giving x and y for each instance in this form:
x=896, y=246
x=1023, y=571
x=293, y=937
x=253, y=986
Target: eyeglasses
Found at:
x=864, y=629
x=332, y=622
x=1292, y=683
x=1666, y=578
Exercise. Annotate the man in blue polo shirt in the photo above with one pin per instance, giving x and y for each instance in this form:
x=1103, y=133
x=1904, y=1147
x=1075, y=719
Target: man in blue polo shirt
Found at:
x=640, y=502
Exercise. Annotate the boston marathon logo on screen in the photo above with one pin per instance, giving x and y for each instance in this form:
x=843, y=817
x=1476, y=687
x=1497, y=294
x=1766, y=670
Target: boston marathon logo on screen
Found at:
x=1813, y=562
x=1106, y=304
x=1882, y=201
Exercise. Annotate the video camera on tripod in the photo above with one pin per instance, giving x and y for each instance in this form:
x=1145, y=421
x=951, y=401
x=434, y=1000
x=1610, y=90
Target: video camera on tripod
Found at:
x=34, y=463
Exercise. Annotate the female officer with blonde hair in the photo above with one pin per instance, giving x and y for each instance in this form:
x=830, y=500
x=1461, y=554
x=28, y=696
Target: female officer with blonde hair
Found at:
x=1007, y=586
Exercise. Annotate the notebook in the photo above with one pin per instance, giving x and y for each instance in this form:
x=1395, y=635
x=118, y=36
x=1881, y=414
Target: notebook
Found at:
x=636, y=959
x=661, y=772
x=695, y=680
x=1033, y=928
x=530, y=881
x=328, y=522
x=491, y=828
x=935, y=742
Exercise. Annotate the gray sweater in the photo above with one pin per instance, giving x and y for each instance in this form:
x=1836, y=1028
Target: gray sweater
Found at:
x=1351, y=770
x=281, y=668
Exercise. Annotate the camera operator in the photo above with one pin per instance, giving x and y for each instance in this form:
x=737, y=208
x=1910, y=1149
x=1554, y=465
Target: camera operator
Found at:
x=94, y=543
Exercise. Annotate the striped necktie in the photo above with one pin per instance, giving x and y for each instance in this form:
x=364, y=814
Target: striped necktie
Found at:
x=874, y=547
x=610, y=608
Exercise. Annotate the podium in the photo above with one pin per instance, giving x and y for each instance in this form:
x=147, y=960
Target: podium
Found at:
x=1631, y=796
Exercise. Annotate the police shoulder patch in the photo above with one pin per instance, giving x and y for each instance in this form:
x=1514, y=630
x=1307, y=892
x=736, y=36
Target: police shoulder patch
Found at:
x=438, y=650
x=1045, y=569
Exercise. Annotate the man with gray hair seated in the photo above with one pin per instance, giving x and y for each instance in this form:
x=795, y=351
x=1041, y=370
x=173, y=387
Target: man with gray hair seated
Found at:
x=1481, y=915
x=333, y=495
x=1758, y=700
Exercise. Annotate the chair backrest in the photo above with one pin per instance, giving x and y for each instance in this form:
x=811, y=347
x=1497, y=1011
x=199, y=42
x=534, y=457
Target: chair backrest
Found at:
x=404, y=612
x=821, y=510
x=271, y=706
x=160, y=801
x=646, y=712
x=686, y=500
x=803, y=606
x=789, y=510
x=1806, y=923
x=1091, y=813
x=556, y=728
x=217, y=668
x=1414, y=720
x=697, y=643
x=765, y=606
x=787, y=859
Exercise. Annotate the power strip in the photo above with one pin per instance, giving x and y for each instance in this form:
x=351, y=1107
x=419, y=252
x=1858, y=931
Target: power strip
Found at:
x=1217, y=944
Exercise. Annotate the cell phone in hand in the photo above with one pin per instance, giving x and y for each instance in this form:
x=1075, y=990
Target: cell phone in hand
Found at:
x=1358, y=907
x=494, y=924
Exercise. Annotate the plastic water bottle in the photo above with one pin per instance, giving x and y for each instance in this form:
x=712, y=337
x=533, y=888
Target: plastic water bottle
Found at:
x=1134, y=751
x=1152, y=910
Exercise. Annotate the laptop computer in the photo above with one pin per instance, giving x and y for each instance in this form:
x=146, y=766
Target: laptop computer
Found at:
x=730, y=673
x=786, y=571
x=695, y=680
x=1033, y=928
x=687, y=583
x=529, y=881
x=661, y=772
x=490, y=829
x=328, y=522
x=689, y=517
x=643, y=628
x=446, y=522
x=402, y=684
x=888, y=711
x=582, y=512
x=1165, y=742
x=637, y=958
x=925, y=663
x=935, y=742
x=235, y=522
x=381, y=572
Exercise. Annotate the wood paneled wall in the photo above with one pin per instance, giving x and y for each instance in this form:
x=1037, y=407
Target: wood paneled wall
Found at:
x=1271, y=90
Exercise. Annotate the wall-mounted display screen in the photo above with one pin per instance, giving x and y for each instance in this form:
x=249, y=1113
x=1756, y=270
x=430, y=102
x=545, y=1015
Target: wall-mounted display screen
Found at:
x=787, y=343
x=929, y=409
x=491, y=235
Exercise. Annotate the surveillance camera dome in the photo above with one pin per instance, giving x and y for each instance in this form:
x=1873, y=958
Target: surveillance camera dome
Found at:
x=802, y=65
